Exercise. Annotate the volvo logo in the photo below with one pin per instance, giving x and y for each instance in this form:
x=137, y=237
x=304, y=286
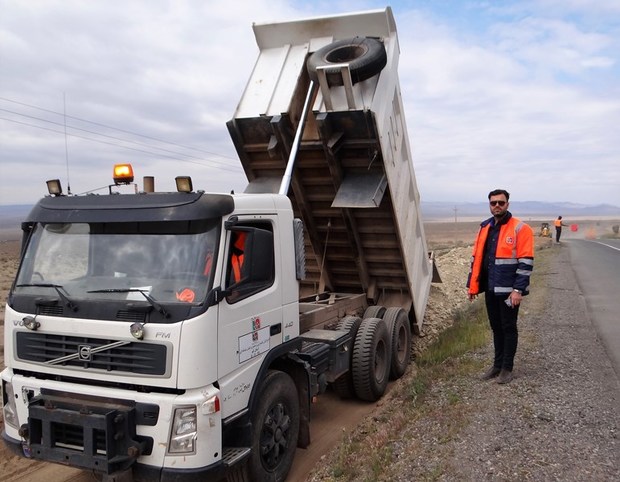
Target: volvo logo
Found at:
x=84, y=352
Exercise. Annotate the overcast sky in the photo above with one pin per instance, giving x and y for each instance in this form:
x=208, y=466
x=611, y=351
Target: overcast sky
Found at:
x=523, y=95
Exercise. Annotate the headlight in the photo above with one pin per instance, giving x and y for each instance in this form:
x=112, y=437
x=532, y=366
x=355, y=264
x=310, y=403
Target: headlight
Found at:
x=183, y=432
x=9, y=409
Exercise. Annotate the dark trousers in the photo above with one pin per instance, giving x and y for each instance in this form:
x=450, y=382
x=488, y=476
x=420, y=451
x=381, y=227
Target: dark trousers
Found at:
x=503, y=320
x=558, y=233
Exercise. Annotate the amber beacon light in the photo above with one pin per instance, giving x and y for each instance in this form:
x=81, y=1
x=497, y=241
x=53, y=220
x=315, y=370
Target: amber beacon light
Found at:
x=123, y=174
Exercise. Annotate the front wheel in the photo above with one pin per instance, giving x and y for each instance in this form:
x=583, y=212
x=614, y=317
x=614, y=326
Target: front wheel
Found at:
x=275, y=428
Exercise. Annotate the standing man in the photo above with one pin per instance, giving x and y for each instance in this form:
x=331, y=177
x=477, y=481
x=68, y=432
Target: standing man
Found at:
x=501, y=265
x=558, y=228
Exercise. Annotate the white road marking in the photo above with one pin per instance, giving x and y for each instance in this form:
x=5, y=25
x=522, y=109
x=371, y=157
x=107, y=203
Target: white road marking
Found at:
x=608, y=245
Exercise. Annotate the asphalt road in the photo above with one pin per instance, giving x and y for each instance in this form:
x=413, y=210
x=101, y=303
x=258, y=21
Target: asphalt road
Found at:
x=597, y=268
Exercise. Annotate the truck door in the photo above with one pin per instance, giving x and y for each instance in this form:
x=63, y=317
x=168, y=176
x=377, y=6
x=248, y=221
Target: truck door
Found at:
x=250, y=315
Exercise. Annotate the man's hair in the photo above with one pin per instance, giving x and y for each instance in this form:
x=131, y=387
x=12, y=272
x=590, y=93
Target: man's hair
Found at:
x=497, y=192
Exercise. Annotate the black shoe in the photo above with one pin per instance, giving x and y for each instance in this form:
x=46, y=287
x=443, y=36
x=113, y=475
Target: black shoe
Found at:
x=490, y=373
x=505, y=376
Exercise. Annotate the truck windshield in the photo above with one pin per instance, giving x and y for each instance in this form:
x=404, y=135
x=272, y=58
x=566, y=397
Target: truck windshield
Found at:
x=168, y=262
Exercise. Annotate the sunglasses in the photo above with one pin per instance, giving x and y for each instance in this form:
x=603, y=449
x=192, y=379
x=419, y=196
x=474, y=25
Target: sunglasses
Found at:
x=497, y=203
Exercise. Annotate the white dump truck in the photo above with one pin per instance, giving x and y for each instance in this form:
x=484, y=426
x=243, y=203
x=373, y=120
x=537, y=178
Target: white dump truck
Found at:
x=184, y=335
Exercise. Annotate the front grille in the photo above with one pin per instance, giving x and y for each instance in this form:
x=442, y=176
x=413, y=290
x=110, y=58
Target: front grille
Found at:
x=92, y=353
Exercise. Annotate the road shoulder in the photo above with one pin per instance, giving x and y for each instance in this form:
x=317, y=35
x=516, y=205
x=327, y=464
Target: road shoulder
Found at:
x=557, y=420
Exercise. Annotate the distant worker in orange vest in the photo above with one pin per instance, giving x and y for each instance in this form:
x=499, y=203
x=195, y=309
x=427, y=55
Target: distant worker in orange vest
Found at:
x=558, y=228
x=237, y=256
x=501, y=264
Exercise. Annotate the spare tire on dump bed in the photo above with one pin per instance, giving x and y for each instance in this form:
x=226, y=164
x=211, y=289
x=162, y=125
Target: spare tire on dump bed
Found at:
x=366, y=57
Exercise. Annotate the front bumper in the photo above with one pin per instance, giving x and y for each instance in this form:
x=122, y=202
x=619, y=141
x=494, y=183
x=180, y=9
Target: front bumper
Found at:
x=111, y=430
x=146, y=473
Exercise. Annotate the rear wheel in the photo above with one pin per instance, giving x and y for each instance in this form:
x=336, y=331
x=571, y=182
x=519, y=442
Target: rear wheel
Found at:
x=371, y=359
x=376, y=311
x=343, y=385
x=400, y=333
x=275, y=428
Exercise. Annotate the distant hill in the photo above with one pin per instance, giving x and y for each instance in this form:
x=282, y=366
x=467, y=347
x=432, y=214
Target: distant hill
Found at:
x=11, y=216
x=523, y=209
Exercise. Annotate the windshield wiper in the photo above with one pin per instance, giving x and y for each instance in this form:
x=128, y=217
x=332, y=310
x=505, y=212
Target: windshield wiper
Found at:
x=153, y=302
x=70, y=304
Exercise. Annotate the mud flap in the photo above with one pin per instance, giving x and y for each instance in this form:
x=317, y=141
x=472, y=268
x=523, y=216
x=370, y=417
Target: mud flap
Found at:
x=436, y=276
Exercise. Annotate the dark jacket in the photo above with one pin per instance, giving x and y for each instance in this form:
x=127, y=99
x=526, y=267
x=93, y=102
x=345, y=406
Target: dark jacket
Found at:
x=511, y=261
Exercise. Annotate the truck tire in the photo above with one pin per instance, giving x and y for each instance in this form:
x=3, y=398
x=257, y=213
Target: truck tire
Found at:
x=400, y=333
x=366, y=57
x=376, y=311
x=370, y=365
x=275, y=428
x=343, y=385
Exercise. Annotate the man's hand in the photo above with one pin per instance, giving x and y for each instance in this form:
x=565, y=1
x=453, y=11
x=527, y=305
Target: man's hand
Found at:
x=472, y=297
x=515, y=298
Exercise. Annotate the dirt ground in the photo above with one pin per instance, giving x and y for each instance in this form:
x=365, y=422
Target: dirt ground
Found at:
x=448, y=240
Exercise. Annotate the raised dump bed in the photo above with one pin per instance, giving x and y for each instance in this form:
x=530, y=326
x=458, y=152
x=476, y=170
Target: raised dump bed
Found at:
x=353, y=184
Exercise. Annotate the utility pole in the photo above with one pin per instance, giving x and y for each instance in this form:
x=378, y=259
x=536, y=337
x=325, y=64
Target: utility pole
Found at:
x=455, y=210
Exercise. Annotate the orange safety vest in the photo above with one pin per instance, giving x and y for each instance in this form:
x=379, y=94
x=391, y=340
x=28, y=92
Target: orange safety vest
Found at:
x=512, y=263
x=557, y=223
x=238, y=256
x=208, y=264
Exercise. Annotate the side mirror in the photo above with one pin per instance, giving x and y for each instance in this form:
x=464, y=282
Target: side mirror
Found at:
x=216, y=295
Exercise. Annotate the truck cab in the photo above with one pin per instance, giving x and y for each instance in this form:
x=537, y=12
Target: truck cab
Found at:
x=127, y=309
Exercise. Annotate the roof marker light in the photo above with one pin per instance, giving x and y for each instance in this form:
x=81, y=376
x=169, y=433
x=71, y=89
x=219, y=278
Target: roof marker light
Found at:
x=54, y=187
x=184, y=183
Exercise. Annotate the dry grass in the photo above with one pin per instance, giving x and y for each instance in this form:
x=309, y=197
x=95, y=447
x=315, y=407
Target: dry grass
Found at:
x=371, y=443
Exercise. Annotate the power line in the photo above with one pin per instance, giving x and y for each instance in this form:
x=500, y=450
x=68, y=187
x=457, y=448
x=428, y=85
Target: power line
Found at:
x=113, y=137
x=117, y=129
x=117, y=145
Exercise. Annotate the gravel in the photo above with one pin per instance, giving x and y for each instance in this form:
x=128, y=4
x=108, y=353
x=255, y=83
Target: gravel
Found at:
x=558, y=420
